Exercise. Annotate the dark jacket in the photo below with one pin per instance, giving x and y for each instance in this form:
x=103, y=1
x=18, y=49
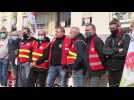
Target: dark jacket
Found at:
x=116, y=58
x=80, y=62
x=99, y=48
x=56, y=53
x=13, y=45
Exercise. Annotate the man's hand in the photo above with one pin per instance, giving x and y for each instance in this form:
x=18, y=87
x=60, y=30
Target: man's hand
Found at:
x=33, y=64
x=64, y=66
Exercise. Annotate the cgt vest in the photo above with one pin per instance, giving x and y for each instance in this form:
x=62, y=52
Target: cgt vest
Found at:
x=25, y=51
x=94, y=59
x=65, y=49
x=38, y=53
x=72, y=55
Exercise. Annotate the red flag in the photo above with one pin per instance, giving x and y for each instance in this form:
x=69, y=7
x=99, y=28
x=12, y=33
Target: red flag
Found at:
x=10, y=78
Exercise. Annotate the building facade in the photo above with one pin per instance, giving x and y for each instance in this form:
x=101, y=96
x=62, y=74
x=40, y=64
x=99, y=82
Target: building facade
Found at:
x=49, y=20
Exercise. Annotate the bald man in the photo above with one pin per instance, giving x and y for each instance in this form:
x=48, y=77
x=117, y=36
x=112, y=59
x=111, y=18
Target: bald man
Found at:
x=75, y=59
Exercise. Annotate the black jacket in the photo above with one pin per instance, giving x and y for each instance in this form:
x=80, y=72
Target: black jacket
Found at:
x=56, y=53
x=116, y=58
x=99, y=48
x=13, y=45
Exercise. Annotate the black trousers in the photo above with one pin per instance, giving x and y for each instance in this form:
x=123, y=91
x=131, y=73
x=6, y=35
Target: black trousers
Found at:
x=115, y=78
x=37, y=77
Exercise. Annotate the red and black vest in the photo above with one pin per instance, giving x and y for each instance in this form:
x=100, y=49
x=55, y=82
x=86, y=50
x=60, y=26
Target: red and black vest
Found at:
x=94, y=59
x=38, y=53
x=65, y=50
x=72, y=55
x=25, y=49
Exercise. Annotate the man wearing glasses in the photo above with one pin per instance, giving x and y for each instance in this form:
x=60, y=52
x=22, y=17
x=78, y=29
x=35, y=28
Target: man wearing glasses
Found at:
x=115, y=50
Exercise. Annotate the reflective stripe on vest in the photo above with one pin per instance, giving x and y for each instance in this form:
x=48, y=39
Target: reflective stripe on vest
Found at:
x=35, y=59
x=37, y=54
x=94, y=59
x=72, y=55
x=93, y=56
x=24, y=50
x=95, y=63
x=23, y=56
x=23, y=53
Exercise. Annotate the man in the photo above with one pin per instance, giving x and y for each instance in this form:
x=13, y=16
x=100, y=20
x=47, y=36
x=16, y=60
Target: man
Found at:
x=3, y=56
x=26, y=45
x=115, y=50
x=58, y=51
x=39, y=72
x=75, y=58
x=96, y=59
x=13, y=43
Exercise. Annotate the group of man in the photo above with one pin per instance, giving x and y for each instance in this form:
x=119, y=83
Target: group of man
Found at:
x=84, y=57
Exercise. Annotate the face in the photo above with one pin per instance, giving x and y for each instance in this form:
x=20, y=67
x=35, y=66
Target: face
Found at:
x=113, y=27
x=89, y=30
x=3, y=35
x=41, y=35
x=26, y=32
x=59, y=33
x=20, y=34
x=74, y=32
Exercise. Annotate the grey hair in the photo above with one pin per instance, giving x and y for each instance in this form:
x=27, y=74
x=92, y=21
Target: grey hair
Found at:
x=76, y=28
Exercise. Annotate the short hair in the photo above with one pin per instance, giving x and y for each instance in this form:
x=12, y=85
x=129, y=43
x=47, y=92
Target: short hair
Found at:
x=61, y=28
x=42, y=31
x=77, y=28
x=115, y=21
x=92, y=25
x=28, y=29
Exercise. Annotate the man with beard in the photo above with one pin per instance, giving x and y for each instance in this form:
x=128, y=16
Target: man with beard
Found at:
x=115, y=50
x=26, y=46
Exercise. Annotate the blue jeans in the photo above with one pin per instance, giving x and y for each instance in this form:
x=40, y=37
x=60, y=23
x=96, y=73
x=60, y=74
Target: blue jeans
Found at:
x=95, y=81
x=55, y=71
x=77, y=78
x=3, y=71
x=23, y=72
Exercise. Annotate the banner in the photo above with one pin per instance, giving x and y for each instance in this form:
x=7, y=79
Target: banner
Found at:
x=128, y=72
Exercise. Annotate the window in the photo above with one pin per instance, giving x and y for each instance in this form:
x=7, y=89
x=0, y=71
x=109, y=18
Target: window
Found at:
x=122, y=15
x=24, y=21
x=42, y=19
x=65, y=19
x=124, y=18
x=4, y=21
x=86, y=18
x=86, y=21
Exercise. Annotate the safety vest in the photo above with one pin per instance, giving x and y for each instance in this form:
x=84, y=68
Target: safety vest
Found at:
x=72, y=55
x=65, y=49
x=94, y=59
x=38, y=53
x=25, y=51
